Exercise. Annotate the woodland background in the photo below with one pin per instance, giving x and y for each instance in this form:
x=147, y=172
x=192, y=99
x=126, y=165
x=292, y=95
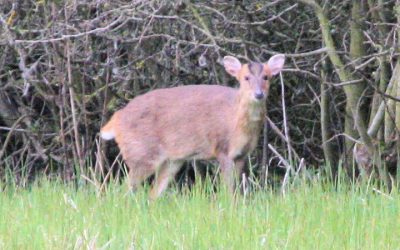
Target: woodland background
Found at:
x=66, y=66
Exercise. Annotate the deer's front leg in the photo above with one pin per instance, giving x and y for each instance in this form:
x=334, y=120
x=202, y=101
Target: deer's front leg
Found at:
x=227, y=172
x=231, y=171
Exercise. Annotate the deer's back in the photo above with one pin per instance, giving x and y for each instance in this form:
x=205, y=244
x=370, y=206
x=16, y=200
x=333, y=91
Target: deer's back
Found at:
x=192, y=121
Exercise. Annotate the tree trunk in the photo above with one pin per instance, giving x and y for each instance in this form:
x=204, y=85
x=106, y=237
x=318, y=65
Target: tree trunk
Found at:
x=353, y=92
x=330, y=156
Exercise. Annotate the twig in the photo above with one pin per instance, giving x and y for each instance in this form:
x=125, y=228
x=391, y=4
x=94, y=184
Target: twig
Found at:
x=14, y=129
x=286, y=128
x=285, y=163
x=65, y=37
x=3, y=149
x=264, y=167
x=281, y=135
x=310, y=53
x=79, y=151
x=382, y=193
x=301, y=165
x=287, y=166
x=346, y=83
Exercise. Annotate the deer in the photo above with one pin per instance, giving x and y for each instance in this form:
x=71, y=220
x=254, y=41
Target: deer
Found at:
x=158, y=131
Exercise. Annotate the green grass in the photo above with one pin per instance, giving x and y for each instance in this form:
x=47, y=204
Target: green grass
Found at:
x=50, y=215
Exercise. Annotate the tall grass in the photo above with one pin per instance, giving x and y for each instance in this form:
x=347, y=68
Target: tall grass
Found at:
x=316, y=215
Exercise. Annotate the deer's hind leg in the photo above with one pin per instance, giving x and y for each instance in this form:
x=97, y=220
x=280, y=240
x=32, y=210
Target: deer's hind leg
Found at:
x=165, y=173
x=139, y=171
x=142, y=159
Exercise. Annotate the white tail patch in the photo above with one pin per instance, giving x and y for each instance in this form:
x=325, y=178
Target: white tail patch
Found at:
x=107, y=135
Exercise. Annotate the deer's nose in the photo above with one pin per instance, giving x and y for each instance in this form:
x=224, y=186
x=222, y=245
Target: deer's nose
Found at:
x=259, y=95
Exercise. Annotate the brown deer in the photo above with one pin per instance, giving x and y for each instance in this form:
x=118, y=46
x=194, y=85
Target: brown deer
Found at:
x=157, y=131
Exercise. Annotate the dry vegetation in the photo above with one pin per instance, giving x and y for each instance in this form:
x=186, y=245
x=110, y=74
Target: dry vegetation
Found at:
x=65, y=66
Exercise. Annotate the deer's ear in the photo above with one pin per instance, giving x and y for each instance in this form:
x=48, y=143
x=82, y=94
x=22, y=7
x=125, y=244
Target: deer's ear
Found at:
x=232, y=65
x=275, y=64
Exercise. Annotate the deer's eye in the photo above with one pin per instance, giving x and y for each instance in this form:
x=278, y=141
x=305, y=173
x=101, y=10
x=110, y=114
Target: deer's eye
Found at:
x=247, y=78
x=265, y=78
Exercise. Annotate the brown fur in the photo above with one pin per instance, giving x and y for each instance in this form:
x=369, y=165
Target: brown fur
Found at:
x=158, y=131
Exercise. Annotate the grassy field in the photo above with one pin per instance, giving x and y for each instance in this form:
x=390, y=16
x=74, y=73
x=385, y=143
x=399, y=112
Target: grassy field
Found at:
x=50, y=215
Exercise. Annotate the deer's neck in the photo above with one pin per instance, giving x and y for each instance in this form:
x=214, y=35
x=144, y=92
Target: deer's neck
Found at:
x=247, y=126
x=250, y=114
